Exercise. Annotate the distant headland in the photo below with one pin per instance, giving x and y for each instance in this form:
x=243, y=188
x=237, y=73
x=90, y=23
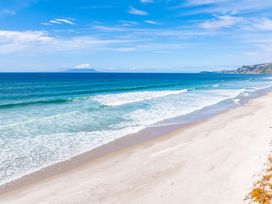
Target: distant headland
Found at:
x=253, y=69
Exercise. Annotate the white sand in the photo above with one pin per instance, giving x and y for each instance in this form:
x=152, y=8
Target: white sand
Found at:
x=212, y=162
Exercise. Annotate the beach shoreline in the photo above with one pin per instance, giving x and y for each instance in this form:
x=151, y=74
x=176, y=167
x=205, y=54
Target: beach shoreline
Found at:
x=163, y=128
x=162, y=132
x=129, y=146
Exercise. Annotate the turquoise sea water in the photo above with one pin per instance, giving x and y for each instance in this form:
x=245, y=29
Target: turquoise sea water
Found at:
x=51, y=117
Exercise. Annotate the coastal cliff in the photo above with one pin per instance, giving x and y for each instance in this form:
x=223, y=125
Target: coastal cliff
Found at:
x=254, y=69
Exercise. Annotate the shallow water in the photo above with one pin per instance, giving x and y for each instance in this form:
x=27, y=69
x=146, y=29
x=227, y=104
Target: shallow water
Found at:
x=50, y=117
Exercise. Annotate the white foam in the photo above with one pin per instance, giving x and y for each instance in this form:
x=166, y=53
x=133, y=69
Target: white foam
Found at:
x=179, y=105
x=263, y=86
x=22, y=155
x=236, y=101
x=133, y=97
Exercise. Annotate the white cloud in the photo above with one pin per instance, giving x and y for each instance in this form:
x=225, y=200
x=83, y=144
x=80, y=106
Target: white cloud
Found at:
x=264, y=24
x=54, y=22
x=246, y=24
x=83, y=66
x=12, y=41
x=69, y=21
x=24, y=37
x=227, y=6
x=147, y=34
x=151, y=22
x=221, y=22
x=147, y=1
x=40, y=41
x=138, y=12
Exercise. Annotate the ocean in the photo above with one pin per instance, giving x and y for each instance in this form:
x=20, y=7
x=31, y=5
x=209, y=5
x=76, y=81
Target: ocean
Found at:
x=46, y=118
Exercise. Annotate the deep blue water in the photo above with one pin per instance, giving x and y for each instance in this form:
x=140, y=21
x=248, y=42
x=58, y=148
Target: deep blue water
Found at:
x=50, y=117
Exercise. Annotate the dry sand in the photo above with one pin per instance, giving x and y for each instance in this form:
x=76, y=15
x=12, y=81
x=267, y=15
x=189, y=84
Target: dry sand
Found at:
x=211, y=162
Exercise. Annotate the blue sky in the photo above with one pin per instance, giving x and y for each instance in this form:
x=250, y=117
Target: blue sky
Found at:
x=134, y=35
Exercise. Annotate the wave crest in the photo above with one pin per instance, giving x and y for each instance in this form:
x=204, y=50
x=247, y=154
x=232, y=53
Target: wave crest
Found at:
x=133, y=97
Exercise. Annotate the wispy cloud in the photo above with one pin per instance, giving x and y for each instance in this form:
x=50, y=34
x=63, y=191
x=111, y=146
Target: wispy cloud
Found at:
x=40, y=41
x=152, y=33
x=126, y=39
x=264, y=24
x=108, y=28
x=138, y=12
x=54, y=22
x=259, y=48
x=60, y=21
x=225, y=6
x=128, y=23
x=147, y=1
x=24, y=36
x=151, y=22
x=252, y=24
x=204, y=2
x=13, y=41
x=67, y=21
x=153, y=47
x=220, y=22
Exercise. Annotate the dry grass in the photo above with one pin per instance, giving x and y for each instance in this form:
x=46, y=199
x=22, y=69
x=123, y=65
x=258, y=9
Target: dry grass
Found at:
x=262, y=190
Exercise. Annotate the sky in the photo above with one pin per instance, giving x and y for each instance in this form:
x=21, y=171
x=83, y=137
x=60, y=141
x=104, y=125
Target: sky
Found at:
x=134, y=35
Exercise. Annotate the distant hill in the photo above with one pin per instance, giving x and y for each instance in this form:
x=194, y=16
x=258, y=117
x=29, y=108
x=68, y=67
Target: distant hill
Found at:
x=83, y=70
x=254, y=69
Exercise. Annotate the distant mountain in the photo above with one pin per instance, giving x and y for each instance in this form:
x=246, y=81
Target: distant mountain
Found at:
x=78, y=70
x=254, y=69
